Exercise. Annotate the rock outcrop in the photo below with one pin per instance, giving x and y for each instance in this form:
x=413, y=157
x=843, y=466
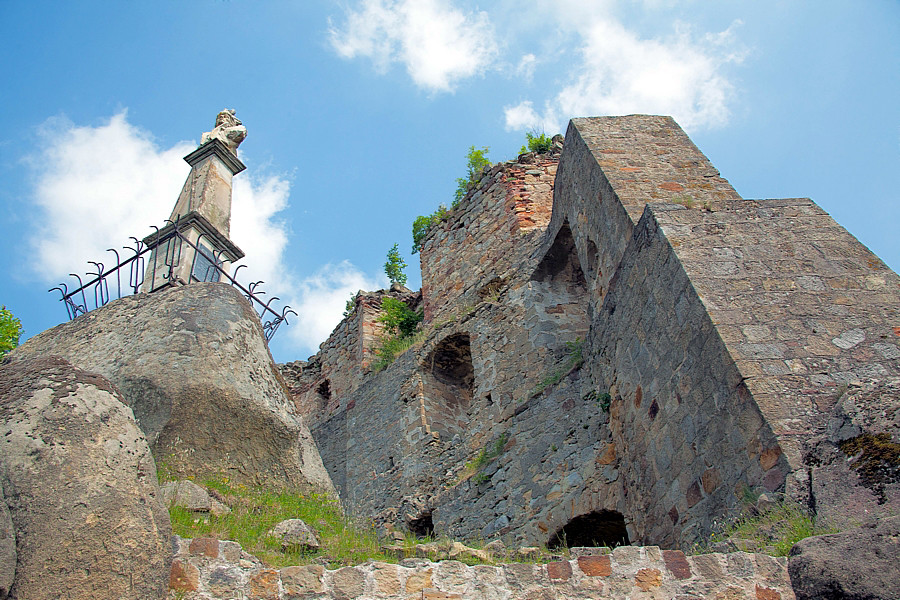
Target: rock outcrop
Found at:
x=80, y=484
x=854, y=464
x=7, y=549
x=193, y=365
x=859, y=564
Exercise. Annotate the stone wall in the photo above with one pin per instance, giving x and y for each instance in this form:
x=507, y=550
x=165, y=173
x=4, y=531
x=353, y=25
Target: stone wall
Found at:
x=320, y=384
x=628, y=368
x=473, y=255
x=205, y=568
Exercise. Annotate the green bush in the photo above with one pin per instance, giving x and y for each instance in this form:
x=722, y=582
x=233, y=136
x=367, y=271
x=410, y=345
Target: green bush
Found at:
x=10, y=331
x=476, y=160
x=539, y=144
x=423, y=224
x=398, y=318
x=400, y=323
x=394, y=266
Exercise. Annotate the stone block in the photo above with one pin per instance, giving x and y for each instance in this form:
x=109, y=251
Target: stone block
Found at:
x=418, y=580
x=595, y=566
x=348, y=582
x=648, y=579
x=302, y=580
x=184, y=577
x=205, y=546
x=387, y=579
x=677, y=564
x=559, y=570
x=263, y=585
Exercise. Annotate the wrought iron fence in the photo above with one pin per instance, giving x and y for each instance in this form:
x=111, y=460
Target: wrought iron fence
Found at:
x=166, y=249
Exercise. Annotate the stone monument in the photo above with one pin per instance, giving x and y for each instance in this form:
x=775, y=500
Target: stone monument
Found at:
x=197, y=235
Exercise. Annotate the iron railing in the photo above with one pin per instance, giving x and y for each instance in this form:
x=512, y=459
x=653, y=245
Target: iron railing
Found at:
x=171, y=243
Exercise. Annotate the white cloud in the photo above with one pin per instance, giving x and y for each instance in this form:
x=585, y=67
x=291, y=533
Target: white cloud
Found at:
x=621, y=73
x=438, y=43
x=523, y=117
x=95, y=186
x=526, y=66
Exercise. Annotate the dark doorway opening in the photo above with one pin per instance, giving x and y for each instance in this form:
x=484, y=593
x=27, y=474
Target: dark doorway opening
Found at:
x=421, y=526
x=598, y=528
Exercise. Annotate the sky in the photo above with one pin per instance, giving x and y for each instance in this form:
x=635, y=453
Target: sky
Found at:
x=360, y=114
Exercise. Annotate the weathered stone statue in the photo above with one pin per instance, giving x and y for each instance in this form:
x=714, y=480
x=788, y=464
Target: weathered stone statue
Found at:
x=229, y=130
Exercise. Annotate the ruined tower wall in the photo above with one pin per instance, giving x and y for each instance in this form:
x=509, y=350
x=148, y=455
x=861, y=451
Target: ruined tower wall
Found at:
x=689, y=439
x=472, y=255
x=800, y=304
x=721, y=329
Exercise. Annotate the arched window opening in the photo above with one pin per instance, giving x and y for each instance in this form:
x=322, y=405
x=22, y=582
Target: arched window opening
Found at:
x=449, y=383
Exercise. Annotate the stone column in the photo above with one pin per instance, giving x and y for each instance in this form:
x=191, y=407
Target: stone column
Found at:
x=202, y=213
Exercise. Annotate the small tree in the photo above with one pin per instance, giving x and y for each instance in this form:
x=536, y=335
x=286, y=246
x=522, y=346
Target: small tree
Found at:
x=10, y=331
x=476, y=160
x=394, y=266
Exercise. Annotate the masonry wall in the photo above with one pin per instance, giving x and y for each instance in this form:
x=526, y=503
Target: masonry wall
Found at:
x=206, y=567
x=721, y=329
x=689, y=438
x=801, y=305
x=321, y=386
x=473, y=255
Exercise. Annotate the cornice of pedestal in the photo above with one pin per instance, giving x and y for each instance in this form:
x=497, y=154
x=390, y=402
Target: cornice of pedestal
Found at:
x=215, y=147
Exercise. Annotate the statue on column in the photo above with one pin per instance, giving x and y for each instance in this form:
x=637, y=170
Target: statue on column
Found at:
x=229, y=130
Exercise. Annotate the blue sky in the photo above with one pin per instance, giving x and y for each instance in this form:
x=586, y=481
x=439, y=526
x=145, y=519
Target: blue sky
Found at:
x=360, y=113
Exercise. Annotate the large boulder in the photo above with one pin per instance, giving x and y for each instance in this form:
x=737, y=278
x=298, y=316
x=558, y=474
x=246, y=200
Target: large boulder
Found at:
x=859, y=564
x=7, y=549
x=193, y=364
x=80, y=483
x=854, y=462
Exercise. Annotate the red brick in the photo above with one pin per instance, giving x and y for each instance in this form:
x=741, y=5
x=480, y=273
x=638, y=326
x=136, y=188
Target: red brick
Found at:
x=672, y=186
x=560, y=570
x=764, y=593
x=205, y=546
x=595, y=566
x=677, y=564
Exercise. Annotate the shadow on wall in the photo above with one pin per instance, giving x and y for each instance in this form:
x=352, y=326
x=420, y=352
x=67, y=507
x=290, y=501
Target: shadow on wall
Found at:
x=450, y=379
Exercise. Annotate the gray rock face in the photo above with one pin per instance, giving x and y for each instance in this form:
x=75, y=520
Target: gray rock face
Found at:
x=193, y=365
x=854, y=464
x=856, y=564
x=80, y=484
x=7, y=549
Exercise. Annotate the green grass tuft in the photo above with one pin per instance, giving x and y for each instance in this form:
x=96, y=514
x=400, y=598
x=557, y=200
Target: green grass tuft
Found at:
x=254, y=511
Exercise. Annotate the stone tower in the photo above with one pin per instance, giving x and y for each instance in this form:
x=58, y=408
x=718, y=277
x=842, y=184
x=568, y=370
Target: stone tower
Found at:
x=196, y=237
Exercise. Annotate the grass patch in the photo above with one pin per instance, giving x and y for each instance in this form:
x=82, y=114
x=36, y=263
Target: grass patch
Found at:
x=774, y=531
x=474, y=468
x=254, y=511
x=574, y=359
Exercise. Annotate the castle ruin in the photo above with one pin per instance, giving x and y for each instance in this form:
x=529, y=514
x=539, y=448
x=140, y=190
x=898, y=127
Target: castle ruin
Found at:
x=618, y=348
